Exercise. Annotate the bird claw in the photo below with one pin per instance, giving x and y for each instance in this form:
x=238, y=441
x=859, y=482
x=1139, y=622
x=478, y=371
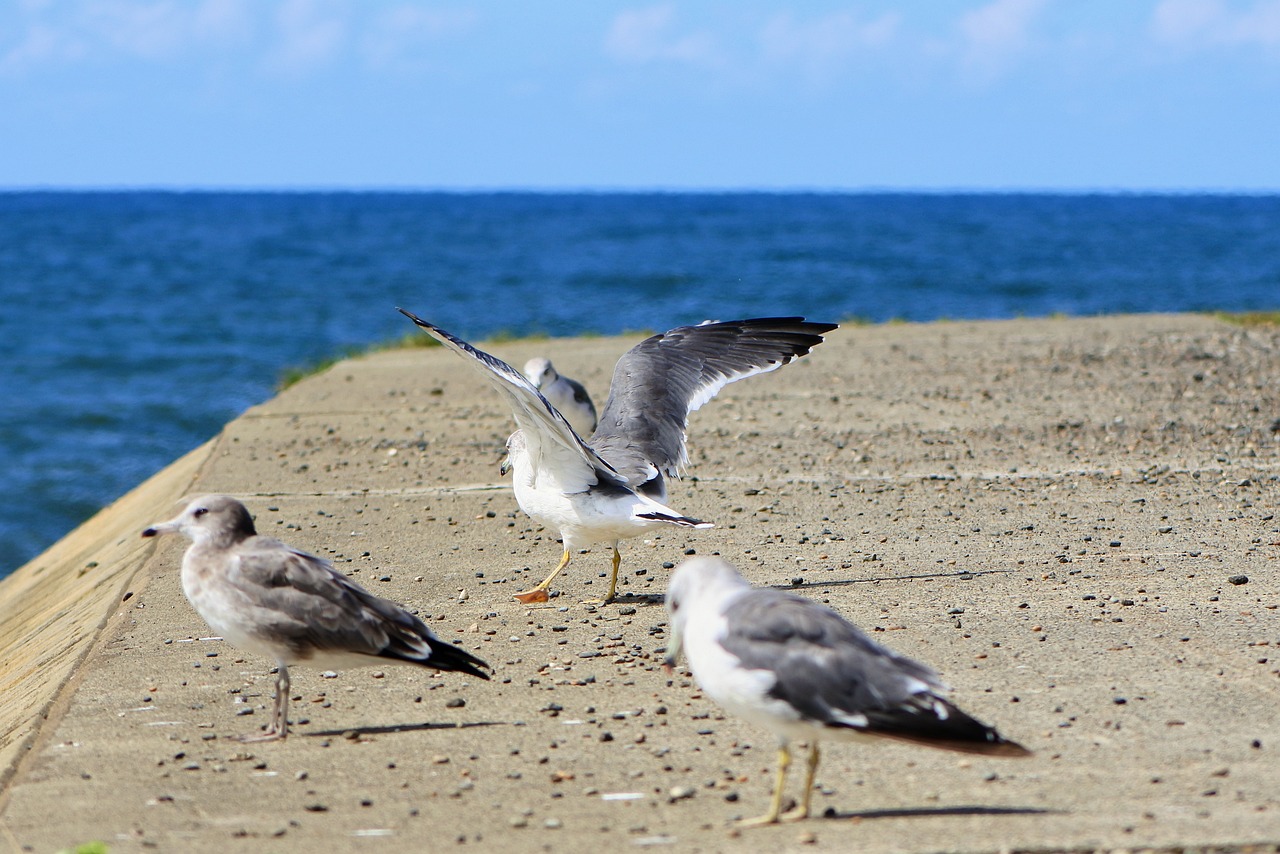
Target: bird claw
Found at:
x=268, y=735
x=530, y=597
x=794, y=814
x=758, y=821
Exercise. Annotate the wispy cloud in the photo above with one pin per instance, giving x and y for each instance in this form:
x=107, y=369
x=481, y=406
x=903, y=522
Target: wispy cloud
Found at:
x=994, y=36
x=398, y=35
x=308, y=34
x=1200, y=24
x=138, y=29
x=650, y=35
x=40, y=45
x=820, y=46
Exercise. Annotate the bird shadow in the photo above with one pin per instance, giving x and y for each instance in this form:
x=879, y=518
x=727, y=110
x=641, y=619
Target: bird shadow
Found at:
x=396, y=728
x=925, y=812
x=639, y=599
x=963, y=574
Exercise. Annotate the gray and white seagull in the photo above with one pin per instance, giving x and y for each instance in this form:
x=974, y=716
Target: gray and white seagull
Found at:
x=292, y=607
x=613, y=485
x=804, y=672
x=568, y=396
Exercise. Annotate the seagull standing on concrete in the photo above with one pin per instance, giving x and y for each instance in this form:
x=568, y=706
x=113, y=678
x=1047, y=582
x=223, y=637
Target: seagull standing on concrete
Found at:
x=802, y=671
x=267, y=598
x=613, y=486
x=569, y=397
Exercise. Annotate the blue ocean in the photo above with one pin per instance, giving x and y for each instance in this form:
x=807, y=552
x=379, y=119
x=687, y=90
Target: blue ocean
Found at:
x=135, y=324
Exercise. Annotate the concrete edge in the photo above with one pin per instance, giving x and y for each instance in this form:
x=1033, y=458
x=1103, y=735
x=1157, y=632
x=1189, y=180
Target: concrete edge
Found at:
x=53, y=609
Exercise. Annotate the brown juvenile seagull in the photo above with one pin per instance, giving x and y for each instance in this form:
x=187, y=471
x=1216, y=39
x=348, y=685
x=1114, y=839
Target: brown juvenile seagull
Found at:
x=804, y=672
x=268, y=598
x=613, y=485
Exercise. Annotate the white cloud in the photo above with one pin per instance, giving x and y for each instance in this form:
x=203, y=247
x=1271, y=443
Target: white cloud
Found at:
x=148, y=30
x=41, y=45
x=140, y=29
x=996, y=34
x=1199, y=24
x=820, y=45
x=399, y=34
x=647, y=35
x=309, y=34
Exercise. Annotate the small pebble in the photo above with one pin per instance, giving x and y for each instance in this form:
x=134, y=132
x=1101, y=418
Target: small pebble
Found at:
x=1239, y=579
x=680, y=793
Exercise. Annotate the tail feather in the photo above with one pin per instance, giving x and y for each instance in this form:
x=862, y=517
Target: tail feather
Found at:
x=684, y=521
x=935, y=722
x=435, y=653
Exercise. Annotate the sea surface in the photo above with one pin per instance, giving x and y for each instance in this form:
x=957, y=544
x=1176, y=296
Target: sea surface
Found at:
x=133, y=325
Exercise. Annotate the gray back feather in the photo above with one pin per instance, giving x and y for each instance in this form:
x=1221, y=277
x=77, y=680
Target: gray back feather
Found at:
x=825, y=666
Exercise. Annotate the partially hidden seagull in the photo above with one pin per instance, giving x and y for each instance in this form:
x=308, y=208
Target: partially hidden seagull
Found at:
x=292, y=607
x=804, y=672
x=613, y=485
x=568, y=396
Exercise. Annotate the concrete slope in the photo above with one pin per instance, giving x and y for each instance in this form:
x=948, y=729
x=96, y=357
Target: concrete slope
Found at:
x=52, y=608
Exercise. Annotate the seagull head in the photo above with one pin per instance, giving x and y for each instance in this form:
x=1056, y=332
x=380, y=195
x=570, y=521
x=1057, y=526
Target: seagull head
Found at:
x=218, y=519
x=703, y=585
x=516, y=452
x=540, y=372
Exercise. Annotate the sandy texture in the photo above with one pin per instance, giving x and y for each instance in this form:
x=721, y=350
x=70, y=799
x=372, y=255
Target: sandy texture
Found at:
x=1051, y=512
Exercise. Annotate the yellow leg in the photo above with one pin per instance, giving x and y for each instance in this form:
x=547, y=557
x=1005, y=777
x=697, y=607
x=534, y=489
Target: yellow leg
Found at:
x=771, y=817
x=802, y=811
x=613, y=579
x=539, y=593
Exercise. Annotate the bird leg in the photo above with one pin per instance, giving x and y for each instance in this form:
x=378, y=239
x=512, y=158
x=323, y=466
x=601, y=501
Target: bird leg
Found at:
x=278, y=729
x=539, y=593
x=802, y=811
x=771, y=817
x=613, y=580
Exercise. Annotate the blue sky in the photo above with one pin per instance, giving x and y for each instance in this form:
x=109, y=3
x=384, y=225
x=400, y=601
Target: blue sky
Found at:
x=943, y=94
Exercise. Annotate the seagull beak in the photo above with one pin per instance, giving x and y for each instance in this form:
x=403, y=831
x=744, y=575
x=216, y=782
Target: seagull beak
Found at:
x=161, y=528
x=505, y=466
x=673, y=654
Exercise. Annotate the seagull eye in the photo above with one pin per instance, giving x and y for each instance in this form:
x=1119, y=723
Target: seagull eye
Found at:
x=199, y=511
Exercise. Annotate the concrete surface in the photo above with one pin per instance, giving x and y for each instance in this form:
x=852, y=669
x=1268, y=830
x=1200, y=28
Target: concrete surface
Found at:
x=1051, y=512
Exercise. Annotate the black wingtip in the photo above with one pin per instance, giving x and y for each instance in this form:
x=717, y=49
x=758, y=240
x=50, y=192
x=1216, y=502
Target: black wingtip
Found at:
x=414, y=317
x=447, y=656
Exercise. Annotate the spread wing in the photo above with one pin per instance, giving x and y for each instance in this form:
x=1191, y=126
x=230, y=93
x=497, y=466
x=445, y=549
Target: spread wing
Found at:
x=657, y=383
x=554, y=449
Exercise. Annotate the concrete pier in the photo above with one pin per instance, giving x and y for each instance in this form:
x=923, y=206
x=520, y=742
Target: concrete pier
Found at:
x=1072, y=519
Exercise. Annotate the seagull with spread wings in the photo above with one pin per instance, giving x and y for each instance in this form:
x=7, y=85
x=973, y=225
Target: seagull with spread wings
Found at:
x=612, y=485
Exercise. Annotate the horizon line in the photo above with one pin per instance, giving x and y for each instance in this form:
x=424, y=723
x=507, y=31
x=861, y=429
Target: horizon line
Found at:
x=886, y=190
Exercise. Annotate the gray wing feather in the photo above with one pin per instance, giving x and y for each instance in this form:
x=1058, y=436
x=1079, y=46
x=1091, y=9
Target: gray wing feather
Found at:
x=302, y=600
x=657, y=383
x=825, y=666
x=833, y=674
x=552, y=445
